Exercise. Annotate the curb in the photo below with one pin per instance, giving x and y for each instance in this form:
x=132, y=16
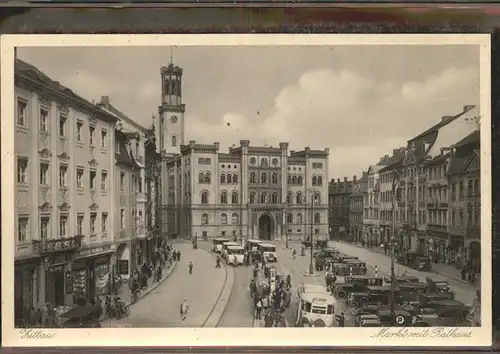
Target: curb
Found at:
x=150, y=289
x=220, y=305
x=157, y=284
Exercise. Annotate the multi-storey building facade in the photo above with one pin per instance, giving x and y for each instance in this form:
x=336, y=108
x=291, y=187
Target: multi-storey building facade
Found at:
x=125, y=200
x=389, y=214
x=356, y=207
x=64, y=161
x=371, y=204
x=464, y=202
x=139, y=239
x=250, y=191
x=413, y=177
x=338, y=201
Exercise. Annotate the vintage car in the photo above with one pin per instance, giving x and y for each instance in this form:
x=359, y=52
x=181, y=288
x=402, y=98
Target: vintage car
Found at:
x=357, y=267
x=358, y=299
x=409, y=294
x=416, y=260
x=268, y=251
x=424, y=299
x=382, y=294
x=402, y=279
x=339, y=269
x=342, y=290
x=439, y=286
x=443, y=313
x=344, y=258
x=368, y=320
x=365, y=280
x=326, y=252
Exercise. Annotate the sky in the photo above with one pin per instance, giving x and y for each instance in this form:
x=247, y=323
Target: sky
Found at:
x=359, y=101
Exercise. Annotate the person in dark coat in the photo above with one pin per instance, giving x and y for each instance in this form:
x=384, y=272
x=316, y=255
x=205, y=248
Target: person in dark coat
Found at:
x=190, y=268
x=341, y=319
x=217, y=262
x=178, y=255
x=268, y=319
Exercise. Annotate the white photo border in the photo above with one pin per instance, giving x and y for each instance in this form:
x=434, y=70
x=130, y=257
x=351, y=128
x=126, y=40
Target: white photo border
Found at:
x=193, y=337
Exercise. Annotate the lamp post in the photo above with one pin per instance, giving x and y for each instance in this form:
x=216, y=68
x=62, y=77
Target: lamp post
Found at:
x=392, y=244
x=313, y=201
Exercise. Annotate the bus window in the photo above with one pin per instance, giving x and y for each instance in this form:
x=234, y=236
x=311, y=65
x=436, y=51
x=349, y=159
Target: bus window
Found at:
x=307, y=306
x=320, y=310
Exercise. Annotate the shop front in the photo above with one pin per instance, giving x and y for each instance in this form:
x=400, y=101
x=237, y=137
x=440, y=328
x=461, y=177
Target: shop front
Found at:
x=91, y=273
x=26, y=277
x=456, y=251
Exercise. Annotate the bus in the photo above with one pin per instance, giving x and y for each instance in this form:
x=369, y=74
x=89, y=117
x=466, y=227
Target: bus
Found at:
x=225, y=245
x=217, y=244
x=235, y=255
x=315, y=306
x=268, y=250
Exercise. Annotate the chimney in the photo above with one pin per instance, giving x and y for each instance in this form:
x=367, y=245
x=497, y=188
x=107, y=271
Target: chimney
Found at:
x=105, y=100
x=345, y=179
x=338, y=180
x=216, y=145
x=354, y=178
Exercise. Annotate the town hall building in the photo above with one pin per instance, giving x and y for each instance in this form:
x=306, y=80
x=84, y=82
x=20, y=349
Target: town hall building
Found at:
x=248, y=192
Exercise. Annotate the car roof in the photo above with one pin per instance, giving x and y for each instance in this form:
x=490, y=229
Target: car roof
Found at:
x=231, y=243
x=267, y=244
x=413, y=285
x=220, y=238
x=231, y=247
x=447, y=302
x=313, y=288
x=254, y=240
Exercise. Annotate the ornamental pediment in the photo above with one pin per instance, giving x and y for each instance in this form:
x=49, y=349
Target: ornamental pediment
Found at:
x=45, y=153
x=64, y=207
x=45, y=207
x=93, y=163
x=64, y=156
x=93, y=207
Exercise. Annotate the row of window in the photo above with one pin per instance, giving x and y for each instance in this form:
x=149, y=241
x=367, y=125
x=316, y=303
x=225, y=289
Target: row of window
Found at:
x=205, y=220
x=136, y=183
x=44, y=125
x=44, y=178
x=264, y=178
x=262, y=198
x=298, y=218
x=63, y=230
x=264, y=162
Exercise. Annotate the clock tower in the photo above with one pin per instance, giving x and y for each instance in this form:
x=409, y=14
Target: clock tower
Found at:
x=171, y=110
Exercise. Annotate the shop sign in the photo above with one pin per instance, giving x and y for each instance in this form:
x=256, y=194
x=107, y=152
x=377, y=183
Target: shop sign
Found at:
x=93, y=251
x=57, y=268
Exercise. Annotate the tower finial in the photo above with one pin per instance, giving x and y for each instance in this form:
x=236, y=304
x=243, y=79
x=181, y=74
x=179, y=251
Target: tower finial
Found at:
x=171, y=55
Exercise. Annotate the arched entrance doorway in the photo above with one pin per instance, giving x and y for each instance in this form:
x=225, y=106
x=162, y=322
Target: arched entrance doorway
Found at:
x=265, y=227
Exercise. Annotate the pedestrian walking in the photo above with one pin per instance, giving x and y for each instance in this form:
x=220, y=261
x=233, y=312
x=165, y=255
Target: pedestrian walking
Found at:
x=294, y=253
x=184, y=309
x=178, y=255
x=190, y=268
x=258, y=309
x=217, y=262
x=376, y=271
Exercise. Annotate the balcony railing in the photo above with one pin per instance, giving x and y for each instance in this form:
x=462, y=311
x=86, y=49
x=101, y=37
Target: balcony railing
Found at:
x=57, y=245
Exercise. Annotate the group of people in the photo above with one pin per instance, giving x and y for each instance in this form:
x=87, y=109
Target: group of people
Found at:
x=163, y=256
x=271, y=298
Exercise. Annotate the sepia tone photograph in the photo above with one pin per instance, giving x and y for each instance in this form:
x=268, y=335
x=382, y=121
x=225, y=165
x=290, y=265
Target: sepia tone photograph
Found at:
x=250, y=186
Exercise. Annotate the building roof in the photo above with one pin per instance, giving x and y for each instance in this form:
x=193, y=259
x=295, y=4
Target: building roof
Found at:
x=123, y=157
x=444, y=121
x=462, y=152
x=473, y=138
x=31, y=73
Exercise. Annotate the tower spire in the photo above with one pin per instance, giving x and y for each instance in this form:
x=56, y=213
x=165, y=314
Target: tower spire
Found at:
x=171, y=55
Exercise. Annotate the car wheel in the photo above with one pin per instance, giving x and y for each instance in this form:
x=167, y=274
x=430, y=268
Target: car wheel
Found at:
x=341, y=294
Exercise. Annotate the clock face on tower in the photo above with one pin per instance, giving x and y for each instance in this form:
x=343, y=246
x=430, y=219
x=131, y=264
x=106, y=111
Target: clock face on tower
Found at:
x=173, y=119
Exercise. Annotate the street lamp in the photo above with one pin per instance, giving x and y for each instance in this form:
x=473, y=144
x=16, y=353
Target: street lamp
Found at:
x=314, y=199
x=393, y=243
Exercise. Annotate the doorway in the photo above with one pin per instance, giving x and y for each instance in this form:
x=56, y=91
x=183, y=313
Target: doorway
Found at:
x=265, y=227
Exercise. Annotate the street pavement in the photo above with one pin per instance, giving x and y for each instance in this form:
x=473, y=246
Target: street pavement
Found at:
x=239, y=308
x=463, y=292
x=161, y=307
